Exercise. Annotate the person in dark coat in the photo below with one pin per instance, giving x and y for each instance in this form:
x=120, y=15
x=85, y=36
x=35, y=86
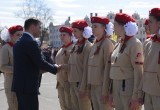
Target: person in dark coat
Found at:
x=28, y=62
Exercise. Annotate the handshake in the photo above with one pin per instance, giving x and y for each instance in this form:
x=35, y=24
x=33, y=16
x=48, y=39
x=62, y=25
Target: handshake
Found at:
x=59, y=67
x=55, y=66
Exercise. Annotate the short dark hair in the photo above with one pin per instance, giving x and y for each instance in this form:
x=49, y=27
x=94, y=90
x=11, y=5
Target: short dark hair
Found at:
x=29, y=22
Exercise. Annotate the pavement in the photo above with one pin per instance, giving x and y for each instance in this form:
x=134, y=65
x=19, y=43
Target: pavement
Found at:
x=48, y=99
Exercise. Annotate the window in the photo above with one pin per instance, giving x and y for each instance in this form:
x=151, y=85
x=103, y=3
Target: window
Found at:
x=143, y=39
x=140, y=39
x=144, y=32
x=137, y=24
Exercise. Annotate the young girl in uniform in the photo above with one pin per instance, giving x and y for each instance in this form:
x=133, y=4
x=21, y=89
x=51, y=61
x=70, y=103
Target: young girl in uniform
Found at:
x=77, y=65
x=151, y=76
x=126, y=64
x=62, y=57
x=99, y=62
x=10, y=36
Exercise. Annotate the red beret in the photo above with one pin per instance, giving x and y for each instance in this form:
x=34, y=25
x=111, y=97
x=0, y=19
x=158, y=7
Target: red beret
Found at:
x=81, y=24
x=123, y=18
x=155, y=12
x=101, y=20
x=146, y=22
x=66, y=29
x=15, y=28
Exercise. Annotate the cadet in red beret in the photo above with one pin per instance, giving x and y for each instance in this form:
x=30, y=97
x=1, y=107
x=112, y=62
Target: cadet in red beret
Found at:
x=108, y=26
x=98, y=66
x=10, y=36
x=150, y=80
x=148, y=35
x=78, y=66
x=126, y=65
x=62, y=57
x=14, y=29
x=65, y=29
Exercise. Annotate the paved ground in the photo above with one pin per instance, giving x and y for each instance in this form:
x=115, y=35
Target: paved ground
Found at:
x=48, y=99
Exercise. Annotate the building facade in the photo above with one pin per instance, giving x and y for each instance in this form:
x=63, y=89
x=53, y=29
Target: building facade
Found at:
x=54, y=39
x=54, y=33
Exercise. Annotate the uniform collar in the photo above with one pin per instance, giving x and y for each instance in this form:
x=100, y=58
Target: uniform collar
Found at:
x=102, y=38
x=155, y=38
x=125, y=39
x=10, y=44
x=65, y=46
x=148, y=36
x=81, y=42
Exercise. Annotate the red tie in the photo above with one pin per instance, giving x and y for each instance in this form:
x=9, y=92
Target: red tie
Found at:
x=155, y=38
x=10, y=43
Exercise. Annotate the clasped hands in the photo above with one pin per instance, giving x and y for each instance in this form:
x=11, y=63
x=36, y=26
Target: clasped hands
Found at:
x=59, y=67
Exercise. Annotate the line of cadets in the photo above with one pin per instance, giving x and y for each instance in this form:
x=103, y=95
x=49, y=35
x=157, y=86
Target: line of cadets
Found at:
x=105, y=75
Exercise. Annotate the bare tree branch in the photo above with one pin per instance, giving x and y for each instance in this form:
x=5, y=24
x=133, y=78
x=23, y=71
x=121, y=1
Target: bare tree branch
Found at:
x=37, y=9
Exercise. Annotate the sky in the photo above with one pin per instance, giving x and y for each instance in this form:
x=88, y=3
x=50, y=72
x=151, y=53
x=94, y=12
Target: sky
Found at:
x=76, y=9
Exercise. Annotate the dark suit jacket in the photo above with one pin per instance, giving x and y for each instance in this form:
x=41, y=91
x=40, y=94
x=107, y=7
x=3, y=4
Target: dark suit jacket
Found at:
x=27, y=64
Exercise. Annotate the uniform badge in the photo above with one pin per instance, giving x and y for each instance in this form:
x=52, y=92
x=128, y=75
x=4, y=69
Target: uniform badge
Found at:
x=138, y=55
x=138, y=59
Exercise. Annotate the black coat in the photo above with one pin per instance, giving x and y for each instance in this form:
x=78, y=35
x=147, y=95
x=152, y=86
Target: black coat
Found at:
x=28, y=61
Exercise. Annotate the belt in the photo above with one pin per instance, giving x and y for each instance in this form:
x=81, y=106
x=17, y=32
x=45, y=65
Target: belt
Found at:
x=123, y=85
x=150, y=72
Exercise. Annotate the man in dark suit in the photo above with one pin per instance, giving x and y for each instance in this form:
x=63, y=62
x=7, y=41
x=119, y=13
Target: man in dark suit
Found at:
x=28, y=62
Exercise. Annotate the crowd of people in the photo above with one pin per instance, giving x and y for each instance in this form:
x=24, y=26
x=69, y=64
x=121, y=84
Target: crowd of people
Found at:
x=98, y=75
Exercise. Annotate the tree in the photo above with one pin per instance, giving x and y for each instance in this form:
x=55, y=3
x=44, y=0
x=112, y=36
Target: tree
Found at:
x=37, y=9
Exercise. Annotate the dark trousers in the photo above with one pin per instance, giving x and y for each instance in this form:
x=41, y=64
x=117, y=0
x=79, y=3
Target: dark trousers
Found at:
x=39, y=80
x=27, y=101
